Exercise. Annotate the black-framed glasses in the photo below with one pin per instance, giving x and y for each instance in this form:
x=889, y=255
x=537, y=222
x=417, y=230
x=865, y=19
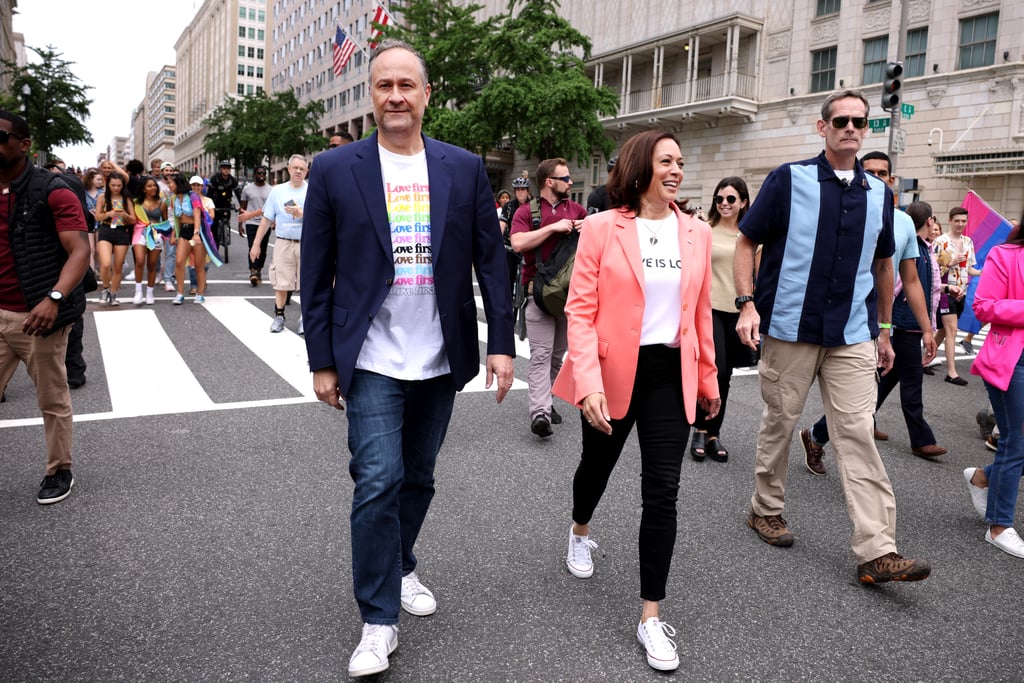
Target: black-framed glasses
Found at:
x=6, y=135
x=563, y=178
x=859, y=122
x=730, y=198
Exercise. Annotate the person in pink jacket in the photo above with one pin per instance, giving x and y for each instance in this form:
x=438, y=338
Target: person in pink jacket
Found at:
x=999, y=300
x=641, y=351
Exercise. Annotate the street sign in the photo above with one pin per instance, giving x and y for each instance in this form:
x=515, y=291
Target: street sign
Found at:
x=907, y=110
x=877, y=125
x=898, y=141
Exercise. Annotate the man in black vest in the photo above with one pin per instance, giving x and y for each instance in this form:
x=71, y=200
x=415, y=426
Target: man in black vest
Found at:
x=44, y=252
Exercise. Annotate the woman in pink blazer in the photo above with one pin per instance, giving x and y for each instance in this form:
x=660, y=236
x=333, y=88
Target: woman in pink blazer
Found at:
x=641, y=351
x=999, y=300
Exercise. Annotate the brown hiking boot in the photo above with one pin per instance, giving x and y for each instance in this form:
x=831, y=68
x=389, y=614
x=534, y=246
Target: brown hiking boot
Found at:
x=812, y=454
x=893, y=567
x=771, y=528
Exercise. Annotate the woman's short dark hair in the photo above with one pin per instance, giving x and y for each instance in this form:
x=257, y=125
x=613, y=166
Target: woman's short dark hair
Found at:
x=919, y=212
x=181, y=185
x=634, y=170
x=740, y=186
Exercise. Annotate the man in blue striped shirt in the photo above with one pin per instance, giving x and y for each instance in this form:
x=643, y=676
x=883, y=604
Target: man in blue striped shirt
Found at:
x=822, y=309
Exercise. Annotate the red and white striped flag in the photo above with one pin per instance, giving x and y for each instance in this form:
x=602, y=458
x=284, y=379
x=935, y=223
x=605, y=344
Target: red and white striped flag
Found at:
x=343, y=49
x=381, y=18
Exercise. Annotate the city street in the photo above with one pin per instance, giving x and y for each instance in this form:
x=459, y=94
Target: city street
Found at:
x=206, y=537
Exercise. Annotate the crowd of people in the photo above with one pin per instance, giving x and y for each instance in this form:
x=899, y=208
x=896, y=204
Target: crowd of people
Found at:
x=661, y=307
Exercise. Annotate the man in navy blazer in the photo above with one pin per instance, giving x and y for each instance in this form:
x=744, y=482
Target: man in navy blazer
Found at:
x=394, y=227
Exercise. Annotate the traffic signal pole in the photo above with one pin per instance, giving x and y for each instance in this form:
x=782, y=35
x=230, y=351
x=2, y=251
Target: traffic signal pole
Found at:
x=893, y=81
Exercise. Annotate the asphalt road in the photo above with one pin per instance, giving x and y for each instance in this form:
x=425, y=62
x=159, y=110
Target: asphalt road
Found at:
x=207, y=538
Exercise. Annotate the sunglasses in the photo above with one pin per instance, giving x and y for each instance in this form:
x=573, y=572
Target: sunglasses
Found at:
x=563, y=178
x=731, y=198
x=6, y=135
x=859, y=122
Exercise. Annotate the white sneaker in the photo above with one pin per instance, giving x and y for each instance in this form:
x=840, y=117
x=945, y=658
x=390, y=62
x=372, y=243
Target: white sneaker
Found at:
x=301, y=331
x=417, y=598
x=150, y=298
x=1008, y=542
x=979, y=496
x=137, y=299
x=578, y=559
x=371, y=656
x=168, y=286
x=654, y=635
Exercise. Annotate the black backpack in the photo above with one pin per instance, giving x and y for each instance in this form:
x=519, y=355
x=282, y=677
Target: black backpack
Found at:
x=551, y=283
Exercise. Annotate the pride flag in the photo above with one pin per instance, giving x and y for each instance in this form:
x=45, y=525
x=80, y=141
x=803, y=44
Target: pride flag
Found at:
x=986, y=228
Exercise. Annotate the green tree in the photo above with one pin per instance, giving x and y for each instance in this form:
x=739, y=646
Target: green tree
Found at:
x=259, y=127
x=541, y=96
x=518, y=77
x=55, y=101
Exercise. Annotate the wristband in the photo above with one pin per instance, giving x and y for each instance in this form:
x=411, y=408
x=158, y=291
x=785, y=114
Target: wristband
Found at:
x=885, y=326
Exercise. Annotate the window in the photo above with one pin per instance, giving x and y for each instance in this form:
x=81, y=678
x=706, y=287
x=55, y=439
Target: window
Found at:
x=168, y=86
x=978, y=41
x=241, y=69
x=168, y=98
x=241, y=50
x=917, y=44
x=169, y=121
x=259, y=89
x=251, y=52
x=241, y=13
x=261, y=16
x=259, y=53
x=248, y=90
x=169, y=110
x=241, y=89
x=252, y=33
x=876, y=53
x=169, y=133
x=249, y=71
x=241, y=31
x=826, y=7
x=261, y=35
x=252, y=14
x=259, y=72
x=823, y=70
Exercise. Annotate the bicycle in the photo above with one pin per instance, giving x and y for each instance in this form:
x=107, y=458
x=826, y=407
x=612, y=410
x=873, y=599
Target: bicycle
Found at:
x=222, y=230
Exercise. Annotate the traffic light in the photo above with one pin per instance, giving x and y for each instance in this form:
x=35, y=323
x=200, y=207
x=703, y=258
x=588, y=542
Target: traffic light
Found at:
x=891, y=85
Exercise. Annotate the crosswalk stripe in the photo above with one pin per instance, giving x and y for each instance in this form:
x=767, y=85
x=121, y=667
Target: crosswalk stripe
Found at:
x=126, y=359
x=284, y=352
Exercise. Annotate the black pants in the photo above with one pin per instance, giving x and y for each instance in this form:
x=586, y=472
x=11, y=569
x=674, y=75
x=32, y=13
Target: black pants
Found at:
x=909, y=373
x=250, y=234
x=73, y=359
x=656, y=408
x=730, y=353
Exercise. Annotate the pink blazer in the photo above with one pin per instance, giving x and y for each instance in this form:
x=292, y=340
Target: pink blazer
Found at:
x=605, y=312
x=999, y=300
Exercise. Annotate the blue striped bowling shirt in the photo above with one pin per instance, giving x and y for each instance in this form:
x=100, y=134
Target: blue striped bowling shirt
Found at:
x=820, y=240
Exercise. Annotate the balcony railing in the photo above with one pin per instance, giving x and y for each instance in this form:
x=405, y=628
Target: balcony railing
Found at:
x=704, y=89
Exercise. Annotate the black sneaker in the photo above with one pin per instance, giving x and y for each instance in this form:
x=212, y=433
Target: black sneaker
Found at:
x=541, y=426
x=556, y=419
x=55, y=487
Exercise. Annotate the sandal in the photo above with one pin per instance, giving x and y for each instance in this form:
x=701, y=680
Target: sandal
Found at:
x=698, y=445
x=716, y=451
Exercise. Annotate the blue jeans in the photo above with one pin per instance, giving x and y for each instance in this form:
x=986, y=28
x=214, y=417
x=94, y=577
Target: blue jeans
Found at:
x=395, y=430
x=1005, y=471
x=170, y=250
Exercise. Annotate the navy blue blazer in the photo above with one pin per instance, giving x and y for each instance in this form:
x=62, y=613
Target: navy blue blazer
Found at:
x=347, y=263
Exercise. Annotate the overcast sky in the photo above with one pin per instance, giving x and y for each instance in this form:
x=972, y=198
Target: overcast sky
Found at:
x=88, y=34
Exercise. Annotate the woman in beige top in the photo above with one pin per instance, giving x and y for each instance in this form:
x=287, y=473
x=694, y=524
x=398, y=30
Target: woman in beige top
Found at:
x=729, y=202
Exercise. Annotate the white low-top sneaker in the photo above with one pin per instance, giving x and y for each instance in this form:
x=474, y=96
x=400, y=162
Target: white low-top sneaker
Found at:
x=417, y=599
x=376, y=645
x=979, y=496
x=1008, y=542
x=655, y=636
x=578, y=559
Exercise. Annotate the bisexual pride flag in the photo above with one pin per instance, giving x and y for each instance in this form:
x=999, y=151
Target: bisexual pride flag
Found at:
x=986, y=228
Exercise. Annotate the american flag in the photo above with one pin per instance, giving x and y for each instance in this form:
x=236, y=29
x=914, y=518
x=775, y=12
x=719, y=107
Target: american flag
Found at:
x=343, y=49
x=382, y=18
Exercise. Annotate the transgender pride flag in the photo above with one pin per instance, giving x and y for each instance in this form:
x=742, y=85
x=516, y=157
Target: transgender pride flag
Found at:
x=986, y=228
